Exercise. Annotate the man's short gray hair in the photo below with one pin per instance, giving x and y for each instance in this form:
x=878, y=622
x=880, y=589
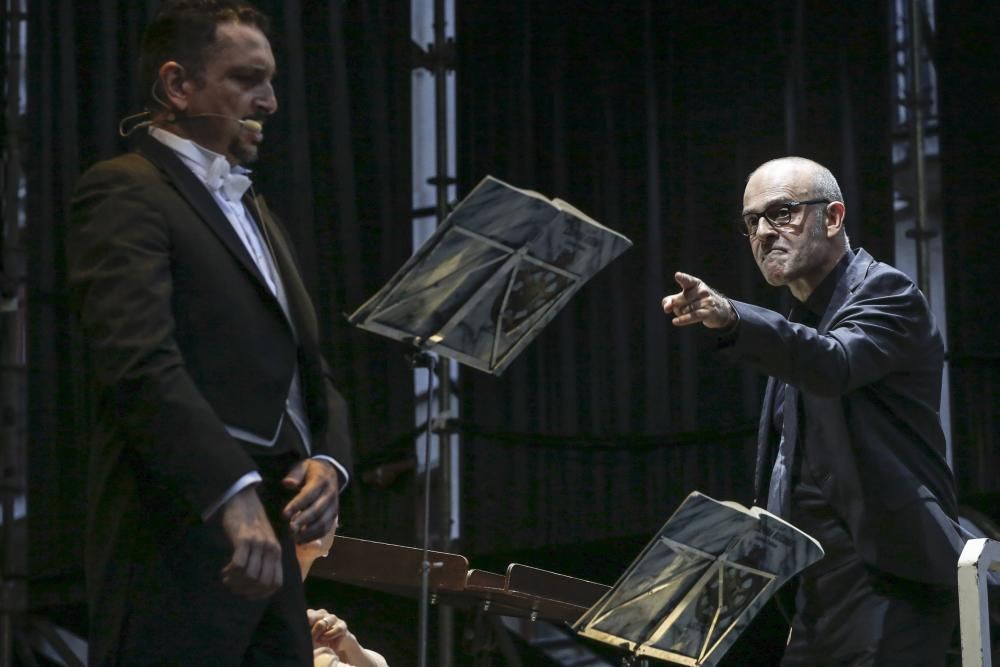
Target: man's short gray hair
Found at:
x=825, y=186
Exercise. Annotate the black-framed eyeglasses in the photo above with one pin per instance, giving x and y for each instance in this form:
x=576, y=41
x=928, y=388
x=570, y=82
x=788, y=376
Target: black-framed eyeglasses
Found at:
x=778, y=215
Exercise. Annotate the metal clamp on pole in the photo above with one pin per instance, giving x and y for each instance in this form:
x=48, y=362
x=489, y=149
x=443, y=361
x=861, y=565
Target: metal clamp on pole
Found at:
x=421, y=359
x=444, y=424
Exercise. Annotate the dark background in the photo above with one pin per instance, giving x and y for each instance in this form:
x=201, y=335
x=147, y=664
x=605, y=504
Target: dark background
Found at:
x=646, y=115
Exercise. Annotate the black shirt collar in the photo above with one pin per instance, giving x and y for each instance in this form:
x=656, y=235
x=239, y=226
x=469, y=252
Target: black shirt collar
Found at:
x=817, y=302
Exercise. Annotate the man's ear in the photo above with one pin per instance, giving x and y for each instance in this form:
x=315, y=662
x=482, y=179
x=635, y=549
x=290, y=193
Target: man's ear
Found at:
x=834, y=219
x=175, y=84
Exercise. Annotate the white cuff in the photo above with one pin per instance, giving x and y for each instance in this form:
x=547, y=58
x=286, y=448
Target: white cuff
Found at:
x=341, y=470
x=243, y=482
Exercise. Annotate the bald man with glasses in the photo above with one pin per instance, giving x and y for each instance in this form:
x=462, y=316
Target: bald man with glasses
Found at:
x=850, y=445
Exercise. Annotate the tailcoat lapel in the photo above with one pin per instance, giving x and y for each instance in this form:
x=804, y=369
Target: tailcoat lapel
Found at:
x=301, y=317
x=301, y=313
x=200, y=199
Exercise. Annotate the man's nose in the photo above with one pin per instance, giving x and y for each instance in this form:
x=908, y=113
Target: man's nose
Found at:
x=764, y=228
x=267, y=101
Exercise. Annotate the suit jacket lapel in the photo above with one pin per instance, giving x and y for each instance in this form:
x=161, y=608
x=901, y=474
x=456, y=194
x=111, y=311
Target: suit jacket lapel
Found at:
x=779, y=492
x=300, y=309
x=856, y=272
x=200, y=199
x=762, y=469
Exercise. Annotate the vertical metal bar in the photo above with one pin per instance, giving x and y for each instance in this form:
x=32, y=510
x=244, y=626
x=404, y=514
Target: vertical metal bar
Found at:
x=917, y=133
x=12, y=377
x=446, y=621
x=441, y=108
x=443, y=180
x=426, y=361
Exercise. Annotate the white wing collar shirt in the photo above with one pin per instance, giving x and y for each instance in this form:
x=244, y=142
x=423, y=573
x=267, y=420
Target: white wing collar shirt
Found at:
x=228, y=184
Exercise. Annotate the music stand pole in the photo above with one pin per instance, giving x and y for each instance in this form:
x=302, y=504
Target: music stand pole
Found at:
x=425, y=360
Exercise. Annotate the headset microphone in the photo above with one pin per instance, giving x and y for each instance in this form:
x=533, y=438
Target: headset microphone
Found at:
x=126, y=127
x=251, y=125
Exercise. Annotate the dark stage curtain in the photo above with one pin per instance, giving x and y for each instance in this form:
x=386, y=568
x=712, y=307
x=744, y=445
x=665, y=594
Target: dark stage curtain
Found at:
x=336, y=168
x=970, y=167
x=648, y=116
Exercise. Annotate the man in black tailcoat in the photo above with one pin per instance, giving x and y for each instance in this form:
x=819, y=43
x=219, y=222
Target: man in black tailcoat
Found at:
x=220, y=440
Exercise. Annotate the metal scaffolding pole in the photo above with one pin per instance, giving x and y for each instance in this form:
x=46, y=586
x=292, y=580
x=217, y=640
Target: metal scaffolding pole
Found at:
x=13, y=388
x=446, y=619
x=921, y=233
x=438, y=60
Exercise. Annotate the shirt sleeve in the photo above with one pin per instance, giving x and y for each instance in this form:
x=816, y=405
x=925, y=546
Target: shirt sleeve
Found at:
x=242, y=483
x=344, y=478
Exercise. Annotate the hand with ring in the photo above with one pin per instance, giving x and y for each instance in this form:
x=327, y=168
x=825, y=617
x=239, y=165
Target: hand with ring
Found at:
x=327, y=629
x=330, y=632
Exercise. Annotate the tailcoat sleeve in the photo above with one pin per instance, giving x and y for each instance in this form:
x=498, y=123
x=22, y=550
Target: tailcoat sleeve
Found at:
x=336, y=441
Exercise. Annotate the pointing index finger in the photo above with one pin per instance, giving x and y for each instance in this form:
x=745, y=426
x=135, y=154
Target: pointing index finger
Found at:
x=686, y=280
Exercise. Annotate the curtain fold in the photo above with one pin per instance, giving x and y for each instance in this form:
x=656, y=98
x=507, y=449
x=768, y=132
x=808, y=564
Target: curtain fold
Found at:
x=969, y=81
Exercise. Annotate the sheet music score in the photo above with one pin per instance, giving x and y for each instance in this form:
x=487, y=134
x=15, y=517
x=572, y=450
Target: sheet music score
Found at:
x=699, y=582
x=492, y=275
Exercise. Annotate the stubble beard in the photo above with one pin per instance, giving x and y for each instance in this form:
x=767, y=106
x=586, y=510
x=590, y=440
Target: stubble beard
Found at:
x=780, y=269
x=244, y=152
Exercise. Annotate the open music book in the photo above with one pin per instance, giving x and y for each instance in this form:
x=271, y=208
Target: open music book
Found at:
x=699, y=582
x=492, y=275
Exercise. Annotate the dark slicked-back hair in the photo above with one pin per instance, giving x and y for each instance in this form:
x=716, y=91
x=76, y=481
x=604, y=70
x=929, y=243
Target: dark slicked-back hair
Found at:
x=184, y=31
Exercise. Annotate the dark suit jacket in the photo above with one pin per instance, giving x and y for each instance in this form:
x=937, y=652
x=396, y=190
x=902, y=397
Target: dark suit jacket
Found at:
x=185, y=338
x=869, y=377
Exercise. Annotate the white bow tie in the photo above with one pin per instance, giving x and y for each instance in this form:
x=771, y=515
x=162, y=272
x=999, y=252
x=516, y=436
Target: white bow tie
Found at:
x=220, y=177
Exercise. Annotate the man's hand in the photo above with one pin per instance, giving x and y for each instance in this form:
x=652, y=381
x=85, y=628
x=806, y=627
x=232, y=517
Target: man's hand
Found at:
x=314, y=508
x=697, y=302
x=255, y=569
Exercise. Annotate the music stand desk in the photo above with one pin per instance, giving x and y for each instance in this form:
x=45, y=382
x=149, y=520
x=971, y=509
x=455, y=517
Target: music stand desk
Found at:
x=523, y=591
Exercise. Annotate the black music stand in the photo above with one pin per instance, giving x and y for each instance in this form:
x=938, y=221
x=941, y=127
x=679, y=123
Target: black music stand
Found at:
x=699, y=582
x=492, y=275
x=489, y=279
